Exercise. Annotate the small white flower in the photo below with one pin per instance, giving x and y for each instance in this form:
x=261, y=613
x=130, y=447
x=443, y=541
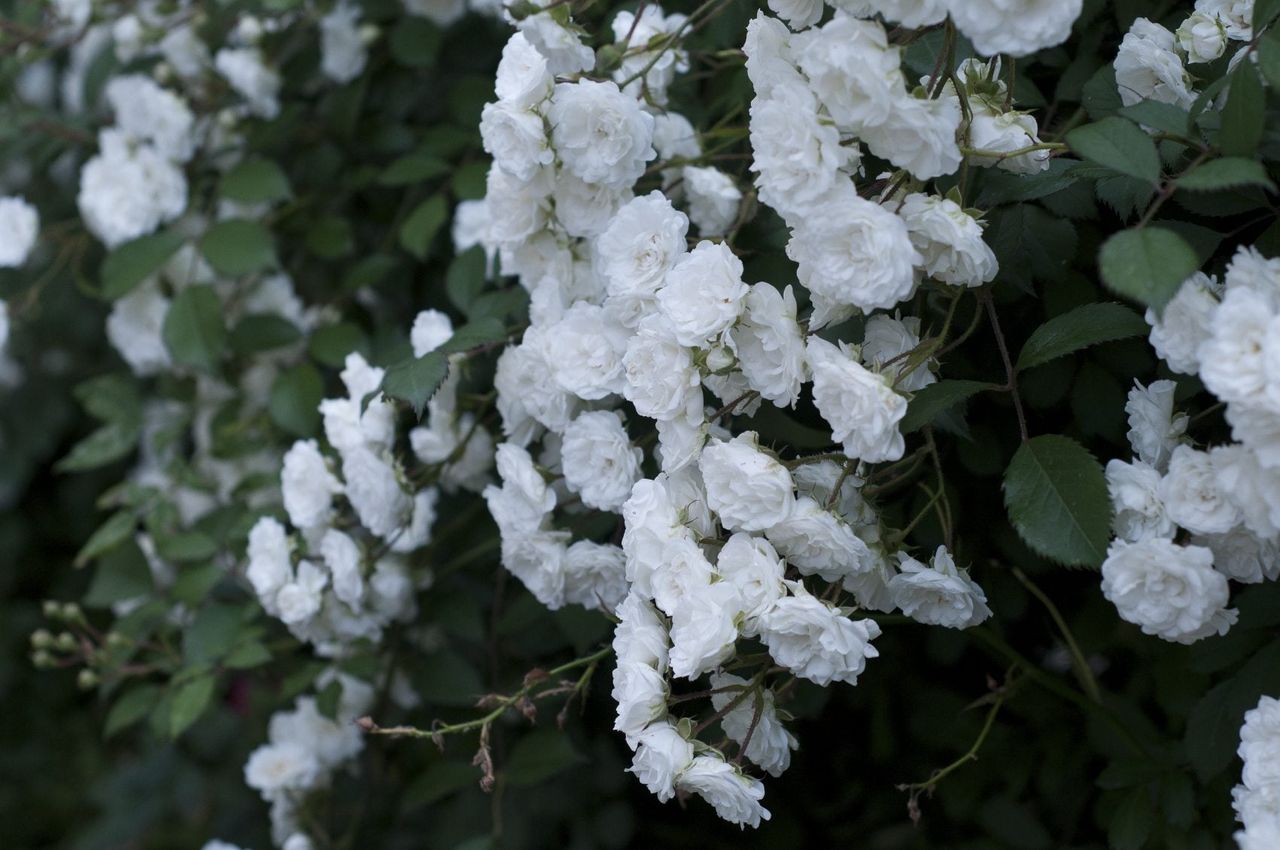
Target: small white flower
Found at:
x=1135, y=494
x=816, y=642
x=662, y=755
x=770, y=344
x=307, y=486
x=703, y=294
x=941, y=596
x=1191, y=497
x=859, y=405
x=950, y=240
x=600, y=134
x=748, y=489
x=713, y=199
x=599, y=461
x=1170, y=591
x=1153, y=429
x=19, y=224
x=735, y=796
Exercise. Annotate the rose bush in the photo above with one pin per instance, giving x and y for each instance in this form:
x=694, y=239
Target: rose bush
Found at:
x=535, y=425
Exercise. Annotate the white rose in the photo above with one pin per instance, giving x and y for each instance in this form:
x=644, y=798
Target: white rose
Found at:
x=641, y=694
x=1252, y=486
x=523, y=79
x=751, y=565
x=515, y=138
x=641, y=635
x=584, y=351
x=681, y=438
x=735, y=796
x=950, y=240
x=1016, y=27
x=999, y=132
x=595, y=575
x=885, y=344
x=537, y=559
x=1191, y=496
x=517, y=208
x=275, y=769
x=662, y=755
x=599, y=461
x=584, y=209
x=659, y=371
x=919, y=135
x=1185, y=323
x=1153, y=429
x=1242, y=556
x=564, y=51
x=523, y=502
x=853, y=71
x=135, y=328
x=1260, y=743
x=853, y=251
x=1202, y=37
x=1135, y=494
x=342, y=556
x=19, y=225
x=771, y=744
x=270, y=567
x=797, y=156
x=859, y=405
x=681, y=570
x=770, y=344
x=374, y=490
x=307, y=486
x=703, y=634
x=713, y=199
x=600, y=134
x=703, y=294
x=797, y=13
x=1147, y=68
x=1170, y=591
x=816, y=542
x=941, y=596
x=816, y=642
x=748, y=489
x=640, y=245
x=650, y=523
x=300, y=599
x=1234, y=359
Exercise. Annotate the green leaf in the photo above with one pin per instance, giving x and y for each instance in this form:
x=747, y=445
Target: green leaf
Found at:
x=295, y=399
x=420, y=228
x=1213, y=727
x=120, y=574
x=930, y=402
x=254, y=181
x=449, y=679
x=262, y=332
x=190, y=699
x=538, y=756
x=246, y=656
x=237, y=247
x=1132, y=821
x=465, y=278
x=1269, y=58
x=1086, y=325
x=135, y=261
x=331, y=344
x=1264, y=12
x=185, y=546
x=330, y=237
x=193, y=329
x=1161, y=116
x=416, y=379
x=1056, y=496
x=1147, y=265
x=412, y=168
x=1244, y=115
x=133, y=705
x=105, y=445
x=1226, y=173
x=194, y=582
x=473, y=335
x=1031, y=244
x=1119, y=145
x=212, y=634
x=117, y=529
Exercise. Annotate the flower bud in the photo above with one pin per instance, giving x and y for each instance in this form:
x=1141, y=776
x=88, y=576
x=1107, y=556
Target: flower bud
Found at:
x=87, y=679
x=66, y=642
x=41, y=639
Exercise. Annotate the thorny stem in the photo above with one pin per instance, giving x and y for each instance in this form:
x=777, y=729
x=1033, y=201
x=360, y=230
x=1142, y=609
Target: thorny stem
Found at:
x=1166, y=192
x=1083, y=673
x=501, y=705
x=1012, y=375
x=1003, y=155
x=997, y=696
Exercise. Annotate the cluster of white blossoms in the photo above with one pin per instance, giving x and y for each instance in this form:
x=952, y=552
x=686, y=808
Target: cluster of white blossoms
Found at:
x=1187, y=519
x=1257, y=798
x=645, y=341
x=303, y=751
x=1152, y=61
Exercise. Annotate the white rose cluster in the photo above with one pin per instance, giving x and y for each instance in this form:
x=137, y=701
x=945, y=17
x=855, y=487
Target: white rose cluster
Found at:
x=640, y=329
x=1187, y=519
x=1257, y=798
